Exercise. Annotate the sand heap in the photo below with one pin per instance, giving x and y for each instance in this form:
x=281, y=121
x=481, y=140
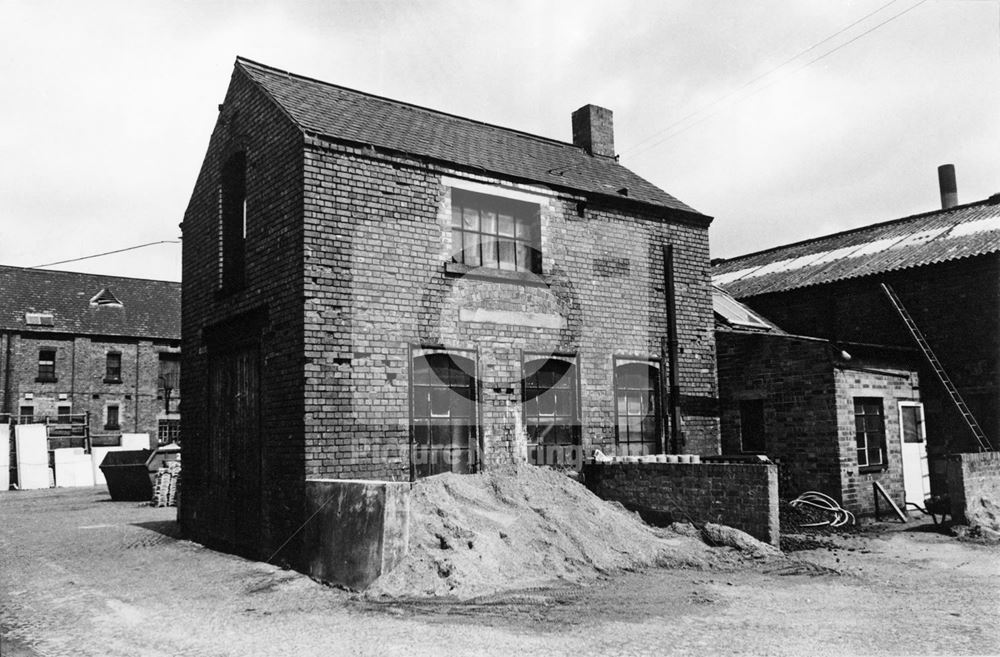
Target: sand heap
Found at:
x=473, y=535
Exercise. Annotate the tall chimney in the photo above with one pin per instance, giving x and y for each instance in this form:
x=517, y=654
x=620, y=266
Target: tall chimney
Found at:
x=949, y=190
x=594, y=130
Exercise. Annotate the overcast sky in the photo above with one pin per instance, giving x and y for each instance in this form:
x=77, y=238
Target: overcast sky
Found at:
x=106, y=107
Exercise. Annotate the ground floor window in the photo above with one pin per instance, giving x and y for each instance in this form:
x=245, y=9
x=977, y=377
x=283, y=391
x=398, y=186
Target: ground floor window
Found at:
x=869, y=425
x=637, y=386
x=443, y=425
x=551, y=402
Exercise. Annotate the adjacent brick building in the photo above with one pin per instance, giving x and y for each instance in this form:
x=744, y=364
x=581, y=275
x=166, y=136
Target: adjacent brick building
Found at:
x=375, y=290
x=97, y=355
x=944, y=266
x=833, y=417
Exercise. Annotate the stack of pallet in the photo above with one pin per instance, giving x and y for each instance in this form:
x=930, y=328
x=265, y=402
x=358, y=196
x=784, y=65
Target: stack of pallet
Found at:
x=166, y=488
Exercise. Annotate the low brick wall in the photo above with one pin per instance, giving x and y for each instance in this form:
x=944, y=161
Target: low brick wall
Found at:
x=974, y=488
x=738, y=495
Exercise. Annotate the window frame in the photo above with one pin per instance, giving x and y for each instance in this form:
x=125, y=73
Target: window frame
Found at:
x=109, y=372
x=655, y=395
x=863, y=444
x=47, y=366
x=576, y=428
x=525, y=249
x=473, y=420
x=108, y=425
x=233, y=219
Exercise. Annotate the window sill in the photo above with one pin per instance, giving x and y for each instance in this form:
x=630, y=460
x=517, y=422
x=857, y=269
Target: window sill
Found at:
x=872, y=469
x=112, y=427
x=458, y=270
x=46, y=379
x=110, y=380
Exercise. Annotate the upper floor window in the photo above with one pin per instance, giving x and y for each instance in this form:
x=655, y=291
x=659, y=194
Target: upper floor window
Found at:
x=233, y=210
x=636, y=392
x=495, y=232
x=46, y=365
x=869, y=425
x=113, y=367
x=170, y=372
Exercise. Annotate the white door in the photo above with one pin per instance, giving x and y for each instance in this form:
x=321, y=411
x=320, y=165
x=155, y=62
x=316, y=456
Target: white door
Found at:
x=913, y=440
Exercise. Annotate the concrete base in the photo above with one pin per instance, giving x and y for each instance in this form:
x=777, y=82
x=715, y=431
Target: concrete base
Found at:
x=357, y=530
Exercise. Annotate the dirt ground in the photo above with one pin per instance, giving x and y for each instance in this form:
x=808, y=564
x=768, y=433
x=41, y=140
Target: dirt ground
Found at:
x=81, y=575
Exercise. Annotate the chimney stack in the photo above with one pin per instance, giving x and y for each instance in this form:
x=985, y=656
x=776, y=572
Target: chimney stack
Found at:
x=949, y=190
x=594, y=130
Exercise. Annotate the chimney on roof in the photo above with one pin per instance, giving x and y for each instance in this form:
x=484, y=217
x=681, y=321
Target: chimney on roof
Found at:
x=949, y=190
x=594, y=130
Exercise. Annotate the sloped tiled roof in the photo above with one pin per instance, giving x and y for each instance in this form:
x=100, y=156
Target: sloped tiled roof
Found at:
x=336, y=112
x=934, y=237
x=149, y=309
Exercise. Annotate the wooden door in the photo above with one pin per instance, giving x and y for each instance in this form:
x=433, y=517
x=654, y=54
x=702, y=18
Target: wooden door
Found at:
x=235, y=452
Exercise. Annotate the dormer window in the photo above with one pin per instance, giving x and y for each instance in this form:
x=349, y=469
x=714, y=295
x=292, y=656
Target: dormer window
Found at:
x=39, y=319
x=105, y=298
x=495, y=232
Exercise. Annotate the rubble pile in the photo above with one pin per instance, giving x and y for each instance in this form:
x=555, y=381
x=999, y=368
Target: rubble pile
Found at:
x=474, y=535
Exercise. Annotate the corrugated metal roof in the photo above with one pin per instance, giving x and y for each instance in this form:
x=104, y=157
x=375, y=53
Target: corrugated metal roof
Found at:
x=732, y=313
x=69, y=302
x=960, y=232
x=339, y=113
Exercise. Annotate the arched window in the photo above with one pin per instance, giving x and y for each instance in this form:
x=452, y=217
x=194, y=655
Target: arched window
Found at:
x=443, y=415
x=551, y=411
x=636, y=406
x=233, y=219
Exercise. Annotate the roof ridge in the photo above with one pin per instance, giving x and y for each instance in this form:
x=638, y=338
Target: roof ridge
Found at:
x=80, y=273
x=781, y=247
x=515, y=131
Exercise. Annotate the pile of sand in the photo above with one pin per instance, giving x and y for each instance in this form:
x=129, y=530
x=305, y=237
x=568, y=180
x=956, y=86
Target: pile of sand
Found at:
x=473, y=535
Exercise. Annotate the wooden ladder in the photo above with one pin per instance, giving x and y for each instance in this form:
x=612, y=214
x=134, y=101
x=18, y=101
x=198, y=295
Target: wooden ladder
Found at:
x=970, y=420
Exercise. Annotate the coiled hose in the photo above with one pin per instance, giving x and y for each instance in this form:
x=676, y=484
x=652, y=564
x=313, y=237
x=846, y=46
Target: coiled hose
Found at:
x=841, y=516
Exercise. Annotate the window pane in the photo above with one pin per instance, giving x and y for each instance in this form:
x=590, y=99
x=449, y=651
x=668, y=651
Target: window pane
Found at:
x=441, y=435
x=507, y=255
x=470, y=218
x=421, y=403
x=471, y=250
x=488, y=221
x=547, y=403
x=861, y=458
x=874, y=456
x=490, y=253
x=421, y=435
x=456, y=215
x=440, y=402
x=523, y=229
x=506, y=225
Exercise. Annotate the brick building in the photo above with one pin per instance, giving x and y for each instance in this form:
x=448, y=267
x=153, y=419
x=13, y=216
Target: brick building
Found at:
x=836, y=418
x=374, y=290
x=98, y=353
x=945, y=268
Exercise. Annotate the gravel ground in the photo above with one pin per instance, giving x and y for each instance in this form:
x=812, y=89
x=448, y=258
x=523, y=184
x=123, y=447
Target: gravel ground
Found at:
x=81, y=575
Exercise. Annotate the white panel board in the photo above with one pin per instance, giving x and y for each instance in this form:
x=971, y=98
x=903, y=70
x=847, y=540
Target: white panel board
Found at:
x=32, y=446
x=135, y=441
x=73, y=468
x=4, y=456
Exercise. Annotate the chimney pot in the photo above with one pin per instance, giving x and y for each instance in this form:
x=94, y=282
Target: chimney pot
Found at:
x=949, y=190
x=593, y=130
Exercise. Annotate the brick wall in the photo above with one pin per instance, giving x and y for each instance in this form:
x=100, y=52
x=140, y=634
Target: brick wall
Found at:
x=793, y=379
x=273, y=292
x=741, y=496
x=377, y=243
x=81, y=385
x=974, y=488
x=955, y=304
x=857, y=491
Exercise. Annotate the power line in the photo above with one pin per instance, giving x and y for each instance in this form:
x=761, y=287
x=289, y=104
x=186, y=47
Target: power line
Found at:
x=98, y=255
x=767, y=86
x=760, y=77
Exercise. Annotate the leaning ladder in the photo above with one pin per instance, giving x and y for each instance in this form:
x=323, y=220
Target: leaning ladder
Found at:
x=970, y=420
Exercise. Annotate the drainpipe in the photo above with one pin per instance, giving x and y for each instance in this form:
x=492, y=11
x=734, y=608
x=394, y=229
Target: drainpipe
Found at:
x=135, y=418
x=6, y=372
x=673, y=398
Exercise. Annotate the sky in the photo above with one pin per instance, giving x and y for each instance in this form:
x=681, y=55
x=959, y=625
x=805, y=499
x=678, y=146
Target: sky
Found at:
x=106, y=107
